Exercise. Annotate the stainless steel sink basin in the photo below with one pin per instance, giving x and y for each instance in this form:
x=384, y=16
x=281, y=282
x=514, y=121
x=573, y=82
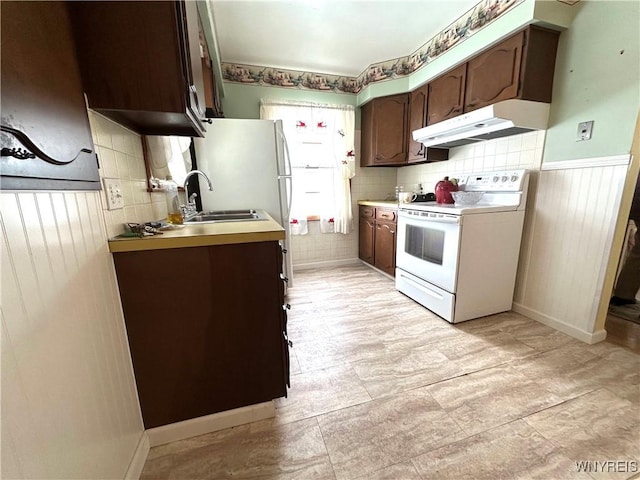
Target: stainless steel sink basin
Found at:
x=218, y=216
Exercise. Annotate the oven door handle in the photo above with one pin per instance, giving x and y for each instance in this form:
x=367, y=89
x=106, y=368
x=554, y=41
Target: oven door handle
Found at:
x=422, y=288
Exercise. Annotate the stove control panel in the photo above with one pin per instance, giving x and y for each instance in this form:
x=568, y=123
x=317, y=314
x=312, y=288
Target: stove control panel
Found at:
x=502, y=181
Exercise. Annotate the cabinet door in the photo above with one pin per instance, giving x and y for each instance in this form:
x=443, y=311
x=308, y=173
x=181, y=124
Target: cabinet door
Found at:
x=446, y=95
x=390, y=129
x=385, y=247
x=366, y=121
x=284, y=319
x=192, y=66
x=417, y=120
x=366, y=236
x=210, y=350
x=44, y=115
x=494, y=75
x=141, y=65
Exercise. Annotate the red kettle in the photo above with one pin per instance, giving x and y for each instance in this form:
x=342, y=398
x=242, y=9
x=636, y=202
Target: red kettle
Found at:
x=443, y=190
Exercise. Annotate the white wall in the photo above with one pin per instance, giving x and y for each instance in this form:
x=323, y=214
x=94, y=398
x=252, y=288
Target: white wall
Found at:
x=597, y=77
x=564, y=258
x=69, y=401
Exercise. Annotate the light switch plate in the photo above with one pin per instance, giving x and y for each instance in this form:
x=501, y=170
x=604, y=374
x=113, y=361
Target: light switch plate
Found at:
x=584, y=131
x=113, y=192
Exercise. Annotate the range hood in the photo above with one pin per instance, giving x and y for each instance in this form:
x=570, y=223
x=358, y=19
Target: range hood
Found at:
x=509, y=117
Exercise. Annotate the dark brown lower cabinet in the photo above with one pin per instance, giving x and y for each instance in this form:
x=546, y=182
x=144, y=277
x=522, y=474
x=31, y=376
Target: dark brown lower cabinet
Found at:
x=367, y=234
x=385, y=247
x=377, y=242
x=206, y=328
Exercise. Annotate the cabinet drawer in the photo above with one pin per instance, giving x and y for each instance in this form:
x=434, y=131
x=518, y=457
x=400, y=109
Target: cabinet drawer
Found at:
x=367, y=212
x=387, y=215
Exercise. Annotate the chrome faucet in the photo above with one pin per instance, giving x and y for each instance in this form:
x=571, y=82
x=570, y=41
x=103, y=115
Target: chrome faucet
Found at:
x=190, y=208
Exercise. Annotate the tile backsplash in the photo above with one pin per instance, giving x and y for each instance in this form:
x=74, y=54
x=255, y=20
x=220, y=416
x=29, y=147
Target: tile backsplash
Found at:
x=519, y=151
x=120, y=155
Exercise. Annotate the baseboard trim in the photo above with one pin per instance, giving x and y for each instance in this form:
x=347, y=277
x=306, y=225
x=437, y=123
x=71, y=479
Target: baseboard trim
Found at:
x=590, y=338
x=210, y=423
x=139, y=458
x=366, y=264
x=328, y=263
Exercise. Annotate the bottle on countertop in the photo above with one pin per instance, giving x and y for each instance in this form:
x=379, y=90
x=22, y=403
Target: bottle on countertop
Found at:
x=174, y=214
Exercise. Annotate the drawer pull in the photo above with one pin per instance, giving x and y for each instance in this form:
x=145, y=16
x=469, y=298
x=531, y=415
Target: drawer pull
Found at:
x=286, y=307
x=283, y=278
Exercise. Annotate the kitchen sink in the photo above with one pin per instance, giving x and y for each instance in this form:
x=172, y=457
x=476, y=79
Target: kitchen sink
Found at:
x=218, y=216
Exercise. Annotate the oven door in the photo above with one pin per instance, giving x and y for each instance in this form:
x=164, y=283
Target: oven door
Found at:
x=428, y=245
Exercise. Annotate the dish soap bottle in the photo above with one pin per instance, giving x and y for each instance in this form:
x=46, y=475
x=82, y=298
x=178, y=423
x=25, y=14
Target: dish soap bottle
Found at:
x=174, y=215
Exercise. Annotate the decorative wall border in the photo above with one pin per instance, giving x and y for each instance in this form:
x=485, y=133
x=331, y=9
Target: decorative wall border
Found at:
x=461, y=29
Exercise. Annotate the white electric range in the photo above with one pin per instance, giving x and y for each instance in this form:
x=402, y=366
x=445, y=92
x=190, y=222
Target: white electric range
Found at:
x=460, y=262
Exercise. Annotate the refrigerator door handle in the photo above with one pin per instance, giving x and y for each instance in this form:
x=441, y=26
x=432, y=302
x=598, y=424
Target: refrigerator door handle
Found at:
x=288, y=170
x=290, y=198
x=288, y=174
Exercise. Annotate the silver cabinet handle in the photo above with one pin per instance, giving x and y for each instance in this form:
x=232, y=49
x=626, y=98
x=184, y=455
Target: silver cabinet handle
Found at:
x=286, y=340
x=194, y=94
x=283, y=278
x=286, y=306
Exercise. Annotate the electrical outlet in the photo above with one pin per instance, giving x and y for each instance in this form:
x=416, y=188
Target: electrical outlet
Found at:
x=584, y=131
x=113, y=192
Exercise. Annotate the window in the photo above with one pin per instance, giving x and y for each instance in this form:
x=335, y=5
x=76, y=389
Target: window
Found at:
x=313, y=170
x=320, y=139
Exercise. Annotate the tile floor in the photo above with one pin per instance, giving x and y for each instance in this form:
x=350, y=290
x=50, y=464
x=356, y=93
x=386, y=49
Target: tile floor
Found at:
x=383, y=389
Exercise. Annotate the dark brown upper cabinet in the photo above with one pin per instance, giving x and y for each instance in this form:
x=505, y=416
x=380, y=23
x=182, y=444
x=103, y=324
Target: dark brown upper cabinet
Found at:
x=387, y=123
x=446, y=95
x=384, y=131
x=417, y=152
x=141, y=64
x=45, y=136
x=520, y=67
x=417, y=120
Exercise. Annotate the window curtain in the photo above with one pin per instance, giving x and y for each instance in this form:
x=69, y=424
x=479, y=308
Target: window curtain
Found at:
x=169, y=156
x=336, y=127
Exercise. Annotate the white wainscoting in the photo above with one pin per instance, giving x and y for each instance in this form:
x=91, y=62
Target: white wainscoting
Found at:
x=69, y=401
x=567, y=245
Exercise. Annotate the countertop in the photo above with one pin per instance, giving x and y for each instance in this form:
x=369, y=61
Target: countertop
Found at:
x=379, y=203
x=202, y=235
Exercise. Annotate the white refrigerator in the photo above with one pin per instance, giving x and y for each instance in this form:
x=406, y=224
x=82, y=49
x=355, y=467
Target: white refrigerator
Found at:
x=249, y=166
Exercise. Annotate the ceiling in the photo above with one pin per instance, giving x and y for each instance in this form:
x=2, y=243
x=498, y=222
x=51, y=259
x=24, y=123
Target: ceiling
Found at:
x=339, y=37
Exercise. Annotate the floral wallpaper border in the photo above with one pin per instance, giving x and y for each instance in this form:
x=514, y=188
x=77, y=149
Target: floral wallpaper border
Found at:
x=464, y=27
